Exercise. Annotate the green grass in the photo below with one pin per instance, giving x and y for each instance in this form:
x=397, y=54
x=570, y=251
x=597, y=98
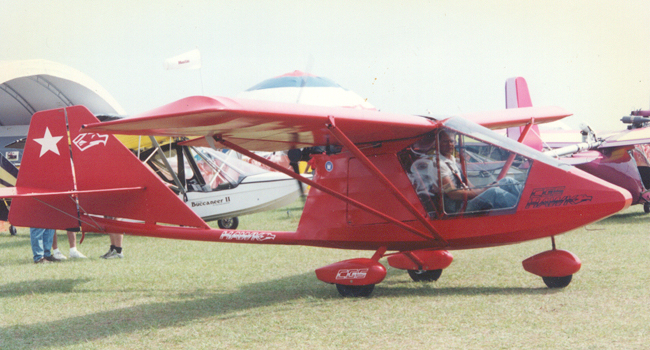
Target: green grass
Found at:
x=194, y=295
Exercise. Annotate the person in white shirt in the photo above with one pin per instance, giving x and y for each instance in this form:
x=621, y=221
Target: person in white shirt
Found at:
x=458, y=189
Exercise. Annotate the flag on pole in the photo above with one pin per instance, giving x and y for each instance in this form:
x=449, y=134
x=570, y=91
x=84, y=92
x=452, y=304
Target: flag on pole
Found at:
x=188, y=60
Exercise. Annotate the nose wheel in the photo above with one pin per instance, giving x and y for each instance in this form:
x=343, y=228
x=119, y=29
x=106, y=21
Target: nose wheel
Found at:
x=555, y=267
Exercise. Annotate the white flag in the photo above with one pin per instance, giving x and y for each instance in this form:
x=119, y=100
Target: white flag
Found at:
x=188, y=60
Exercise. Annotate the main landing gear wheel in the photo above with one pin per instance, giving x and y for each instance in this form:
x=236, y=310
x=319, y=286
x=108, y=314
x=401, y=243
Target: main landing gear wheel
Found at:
x=425, y=276
x=646, y=207
x=355, y=291
x=557, y=282
x=228, y=223
x=12, y=230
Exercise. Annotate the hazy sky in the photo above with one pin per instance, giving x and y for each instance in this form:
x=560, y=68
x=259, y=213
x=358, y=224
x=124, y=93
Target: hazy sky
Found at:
x=416, y=57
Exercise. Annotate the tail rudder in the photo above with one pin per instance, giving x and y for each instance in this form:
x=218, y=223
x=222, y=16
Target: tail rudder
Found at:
x=108, y=179
x=518, y=96
x=102, y=162
x=45, y=168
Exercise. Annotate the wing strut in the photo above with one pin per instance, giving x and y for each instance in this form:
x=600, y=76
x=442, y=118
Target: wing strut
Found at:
x=373, y=169
x=177, y=181
x=318, y=186
x=512, y=156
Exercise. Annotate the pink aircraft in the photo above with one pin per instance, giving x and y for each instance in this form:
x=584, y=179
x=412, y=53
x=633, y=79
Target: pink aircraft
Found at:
x=622, y=158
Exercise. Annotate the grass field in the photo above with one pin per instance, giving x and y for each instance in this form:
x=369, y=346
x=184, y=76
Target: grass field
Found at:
x=193, y=295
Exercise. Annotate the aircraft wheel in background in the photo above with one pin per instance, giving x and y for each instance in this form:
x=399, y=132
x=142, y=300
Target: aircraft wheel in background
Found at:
x=557, y=282
x=12, y=230
x=646, y=207
x=228, y=223
x=425, y=276
x=355, y=291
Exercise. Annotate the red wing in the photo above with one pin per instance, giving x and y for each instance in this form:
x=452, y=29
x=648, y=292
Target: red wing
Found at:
x=517, y=116
x=627, y=138
x=266, y=125
x=272, y=126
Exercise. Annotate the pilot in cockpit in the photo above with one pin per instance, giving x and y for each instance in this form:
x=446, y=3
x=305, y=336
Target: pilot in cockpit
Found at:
x=456, y=187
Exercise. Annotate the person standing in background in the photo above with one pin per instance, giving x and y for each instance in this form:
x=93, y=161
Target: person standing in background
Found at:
x=115, y=251
x=41, y=239
x=72, y=240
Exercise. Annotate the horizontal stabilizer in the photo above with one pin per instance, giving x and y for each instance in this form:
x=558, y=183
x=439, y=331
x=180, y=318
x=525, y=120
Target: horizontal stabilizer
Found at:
x=12, y=192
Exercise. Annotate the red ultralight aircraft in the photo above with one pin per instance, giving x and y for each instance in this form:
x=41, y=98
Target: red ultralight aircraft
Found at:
x=377, y=187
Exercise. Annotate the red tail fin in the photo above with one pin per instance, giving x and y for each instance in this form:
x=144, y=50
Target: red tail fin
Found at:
x=517, y=96
x=45, y=167
x=110, y=180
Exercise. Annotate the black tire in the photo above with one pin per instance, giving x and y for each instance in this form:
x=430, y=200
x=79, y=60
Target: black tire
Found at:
x=557, y=282
x=228, y=223
x=355, y=291
x=646, y=207
x=425, y=276
x=13, y=230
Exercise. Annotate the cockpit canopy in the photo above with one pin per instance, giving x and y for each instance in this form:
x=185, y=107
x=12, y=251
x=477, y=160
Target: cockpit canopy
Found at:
x=202, y=169
x=474, y=172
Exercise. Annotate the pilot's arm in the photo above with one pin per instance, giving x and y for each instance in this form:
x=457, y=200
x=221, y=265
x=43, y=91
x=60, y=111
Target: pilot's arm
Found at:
x=452, y=191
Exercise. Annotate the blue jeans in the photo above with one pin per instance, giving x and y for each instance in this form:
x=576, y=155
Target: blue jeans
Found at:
x=41, y=242
x=505, y=195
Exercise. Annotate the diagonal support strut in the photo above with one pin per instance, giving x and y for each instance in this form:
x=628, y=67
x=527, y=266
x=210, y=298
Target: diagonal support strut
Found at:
x=320, y=187
x=511, y=158
x=373, y=169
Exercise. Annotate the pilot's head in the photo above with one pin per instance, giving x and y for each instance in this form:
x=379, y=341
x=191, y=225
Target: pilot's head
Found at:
x=447, y=143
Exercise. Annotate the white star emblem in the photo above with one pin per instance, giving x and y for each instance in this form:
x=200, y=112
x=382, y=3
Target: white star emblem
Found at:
x=48, y=142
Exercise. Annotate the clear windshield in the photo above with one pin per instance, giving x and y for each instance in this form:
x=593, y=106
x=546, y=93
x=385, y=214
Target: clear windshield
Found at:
x=490, y=137
x=476, y=172
x=207, y=170
x=218, y=168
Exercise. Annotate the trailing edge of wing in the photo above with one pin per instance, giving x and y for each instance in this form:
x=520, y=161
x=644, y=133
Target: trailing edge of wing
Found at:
x=627, y=138
x=517, y=116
